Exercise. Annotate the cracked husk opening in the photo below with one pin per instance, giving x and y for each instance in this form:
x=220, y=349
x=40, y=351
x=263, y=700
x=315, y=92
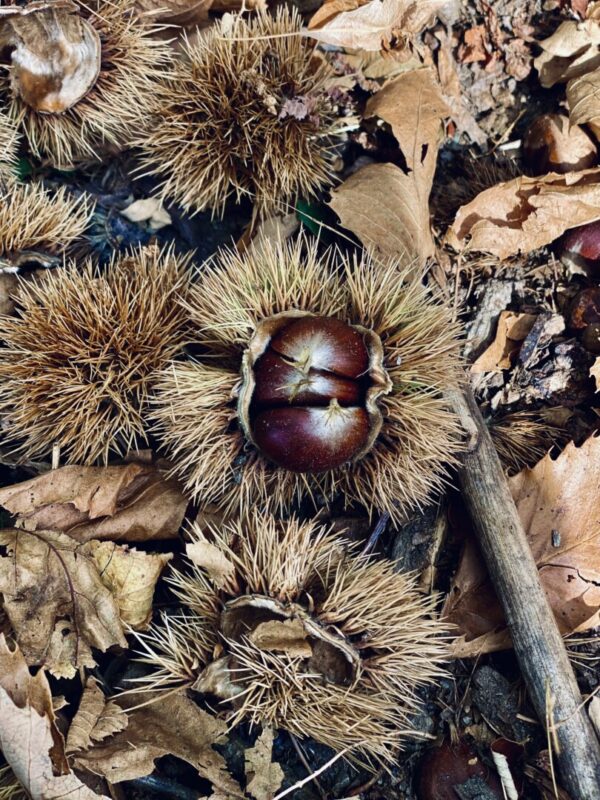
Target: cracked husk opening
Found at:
x=264, y=332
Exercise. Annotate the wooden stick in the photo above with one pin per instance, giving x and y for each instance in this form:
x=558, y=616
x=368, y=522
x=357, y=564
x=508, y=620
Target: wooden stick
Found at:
x=538, y=644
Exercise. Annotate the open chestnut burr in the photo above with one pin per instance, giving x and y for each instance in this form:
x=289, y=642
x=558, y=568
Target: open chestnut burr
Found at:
x=309, y=396
x=313, y=375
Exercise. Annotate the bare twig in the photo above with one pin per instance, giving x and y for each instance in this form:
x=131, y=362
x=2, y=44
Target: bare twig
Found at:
x=538, y=644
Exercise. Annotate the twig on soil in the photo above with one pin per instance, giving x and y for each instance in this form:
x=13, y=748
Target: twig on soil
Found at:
x=313, y=775
x=306, y=765
x=537, y=641
x=376, y=533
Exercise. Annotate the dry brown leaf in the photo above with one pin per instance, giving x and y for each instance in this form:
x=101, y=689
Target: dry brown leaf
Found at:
x=130, y=575
x=55, y=54
x=331, y=8
x=95, y=720
x=559, y=505
x=511, y=331
x=150, y=210
x=29, y=738
x=379, y=205
x=583, y=98
x=385, y=207
x=412, y=104
x=288, y=636
x=264, y=776
x=131, y=503
x=571, y=51
x=374, y=25
x=205, y=555
x=525, y=213
x=176, y=726
x=595, y=373
x=55, y=600
x=185, y=13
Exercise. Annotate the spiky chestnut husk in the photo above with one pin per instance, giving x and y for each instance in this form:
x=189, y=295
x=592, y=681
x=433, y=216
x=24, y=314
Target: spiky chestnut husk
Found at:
x=77, y=361
x=523, y=438
x=8, y=150
x=295, y=631
x=37, y=226
x=195, y=404
x=244, y=114
x=117, y=107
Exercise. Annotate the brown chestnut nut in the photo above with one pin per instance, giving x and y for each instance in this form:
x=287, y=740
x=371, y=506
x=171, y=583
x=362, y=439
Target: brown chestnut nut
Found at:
x=309, y=396
x=311, y=439
x=323, y=343
x=579, y=249
x=551, y=144
x=278, y=382
x=584, y=316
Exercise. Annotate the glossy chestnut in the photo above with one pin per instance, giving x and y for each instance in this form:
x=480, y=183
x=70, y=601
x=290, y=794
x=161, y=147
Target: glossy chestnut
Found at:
x=308, y=401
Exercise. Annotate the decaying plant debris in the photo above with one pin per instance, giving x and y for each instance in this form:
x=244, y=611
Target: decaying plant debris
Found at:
x=256, y=260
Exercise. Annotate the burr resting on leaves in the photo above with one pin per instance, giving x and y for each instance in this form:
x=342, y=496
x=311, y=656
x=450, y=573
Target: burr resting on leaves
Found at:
x=79, y=77
x=313, y=375
x=245, y=113
x=77, y=359
x=289, y=628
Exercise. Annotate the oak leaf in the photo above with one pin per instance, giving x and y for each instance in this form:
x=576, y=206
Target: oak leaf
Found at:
x=559, y=504
x=29, y=739
x=525, y=213
x=131, y=503
x=95, y=720
x=374, y=25
x=176, y=726
x=264, y=776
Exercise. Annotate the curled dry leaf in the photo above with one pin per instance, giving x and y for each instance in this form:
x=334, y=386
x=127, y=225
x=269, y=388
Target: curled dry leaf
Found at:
x=412, y=104
x=583, y=98
x=56, y=602
x=131, y=577
x=95, y=720
x=571, y=51
x=29, y=738
x=177, y=727
x=149, y=210
x=525, y=213
x=185, y=13
x=385, y=207
x=132, y=503
x=264, y=776
x=206, y=556
x=511, y=331
x=55, y=54
x=595, y=373
x=559, y=505
x=375, y=25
